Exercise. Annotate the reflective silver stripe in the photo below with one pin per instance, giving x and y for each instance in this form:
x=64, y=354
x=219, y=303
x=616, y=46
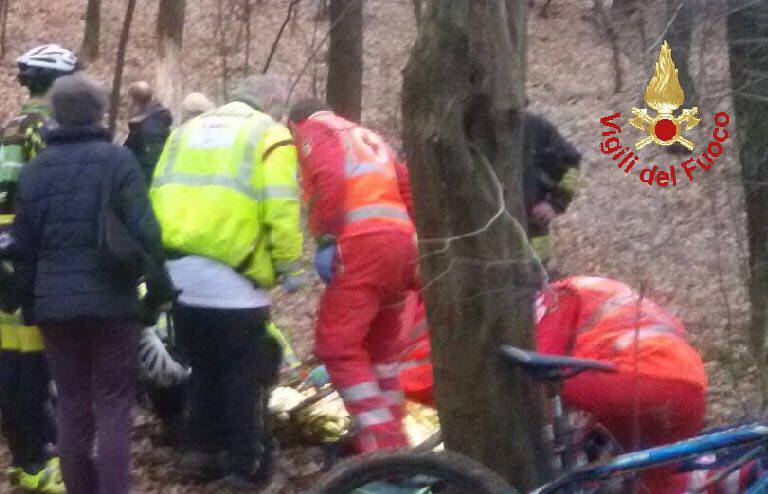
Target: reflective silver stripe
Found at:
x=357, y=169
x=377, y=211
x=394, y=397
x=280, y=192
x=374, y=417
x=697, y=479
x=217, y=180
x=613, y=303
x=361, y=391
x=419, y=329
x=642, y=333
x=173, y=151
x=221, y=180
x=288, y=266
x=386, y=371
x=242, y=183
x=732, y=483
x=410, y=364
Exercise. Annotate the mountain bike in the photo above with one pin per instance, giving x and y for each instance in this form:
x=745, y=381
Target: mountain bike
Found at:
x=585, y=459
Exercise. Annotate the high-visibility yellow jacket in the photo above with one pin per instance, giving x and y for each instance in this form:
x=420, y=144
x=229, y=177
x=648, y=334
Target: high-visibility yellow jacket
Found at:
x=226, y=188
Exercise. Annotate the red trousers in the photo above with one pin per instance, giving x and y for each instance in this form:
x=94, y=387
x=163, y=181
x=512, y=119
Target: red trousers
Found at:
x=667, y=411
x=358, y=329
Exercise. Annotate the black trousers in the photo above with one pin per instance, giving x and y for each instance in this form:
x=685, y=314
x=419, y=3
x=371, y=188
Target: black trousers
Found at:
x=232, y=368
x=27, y=422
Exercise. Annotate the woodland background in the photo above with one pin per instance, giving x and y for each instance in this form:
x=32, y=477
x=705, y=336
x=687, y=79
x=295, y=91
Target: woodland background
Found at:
x=684, y=247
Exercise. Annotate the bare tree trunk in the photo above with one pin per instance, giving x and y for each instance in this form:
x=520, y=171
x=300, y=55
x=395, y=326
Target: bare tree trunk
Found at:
x=417, y=9
x=344, y=89
x=747, y=30
x=4, y=7
x=279, y=35
x=681, y=16
x=92, y=35
x=169, y=69
x=223, y=48
x=244, y=13
x=119, y=64
x=604, y=22
x=463, y=103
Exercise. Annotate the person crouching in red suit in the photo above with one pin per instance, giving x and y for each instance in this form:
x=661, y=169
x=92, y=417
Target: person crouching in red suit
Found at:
x=658, y=395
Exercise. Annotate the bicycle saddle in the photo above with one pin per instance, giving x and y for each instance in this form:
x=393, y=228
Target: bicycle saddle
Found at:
x=551, y=367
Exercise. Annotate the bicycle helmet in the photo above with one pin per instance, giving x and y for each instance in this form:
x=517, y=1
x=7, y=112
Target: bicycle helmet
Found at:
x=156, y=365
x=40, y=66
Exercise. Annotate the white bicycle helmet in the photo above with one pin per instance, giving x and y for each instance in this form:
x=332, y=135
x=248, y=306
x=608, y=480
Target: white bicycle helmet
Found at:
x=52, y=58
x=155, y=363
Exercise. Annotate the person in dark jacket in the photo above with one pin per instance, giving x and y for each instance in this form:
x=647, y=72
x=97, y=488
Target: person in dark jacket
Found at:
x=550, y=167
x=88, y=314
x=148, y=128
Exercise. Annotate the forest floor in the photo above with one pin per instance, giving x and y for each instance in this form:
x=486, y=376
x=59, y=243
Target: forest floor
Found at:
x=683, y=245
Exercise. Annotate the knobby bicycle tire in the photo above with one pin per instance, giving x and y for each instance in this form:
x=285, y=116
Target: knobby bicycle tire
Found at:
x=455, y=469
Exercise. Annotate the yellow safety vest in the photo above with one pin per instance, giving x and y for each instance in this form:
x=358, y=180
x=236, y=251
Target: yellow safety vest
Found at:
x=225, y=188
x=14, y=335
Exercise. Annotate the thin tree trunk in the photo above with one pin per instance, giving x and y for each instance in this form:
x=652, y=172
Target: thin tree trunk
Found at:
x=119, y=64
x=92, y=35
x=749, y=66
x=221, y=35
x=417, y=9
x=169, y=69
x=279, y=35
x=4, y=7
x=463, y=103
x=248, y=12
x=344, y=89
x=681, y=16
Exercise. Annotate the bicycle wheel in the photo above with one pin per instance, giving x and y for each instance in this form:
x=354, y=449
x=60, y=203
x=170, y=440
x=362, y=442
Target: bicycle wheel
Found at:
x=411, y=472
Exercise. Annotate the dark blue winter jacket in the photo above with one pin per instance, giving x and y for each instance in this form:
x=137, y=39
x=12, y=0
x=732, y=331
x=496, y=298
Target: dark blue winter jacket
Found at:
x=61, y=274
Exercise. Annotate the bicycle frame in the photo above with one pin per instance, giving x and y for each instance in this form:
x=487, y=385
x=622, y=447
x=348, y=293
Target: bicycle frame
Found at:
x=663, y=455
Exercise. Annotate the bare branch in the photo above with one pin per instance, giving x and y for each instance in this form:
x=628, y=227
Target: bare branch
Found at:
x=318, y=47
x=279, y=35
x=119, y=64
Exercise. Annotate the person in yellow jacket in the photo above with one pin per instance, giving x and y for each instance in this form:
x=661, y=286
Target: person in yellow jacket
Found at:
x=226, y=195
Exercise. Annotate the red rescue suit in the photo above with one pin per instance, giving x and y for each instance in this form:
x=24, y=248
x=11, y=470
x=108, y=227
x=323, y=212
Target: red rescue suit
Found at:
x=660, y=386
x=351, y=181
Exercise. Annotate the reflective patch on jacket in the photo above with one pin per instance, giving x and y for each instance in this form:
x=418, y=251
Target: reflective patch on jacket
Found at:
x=22, y=138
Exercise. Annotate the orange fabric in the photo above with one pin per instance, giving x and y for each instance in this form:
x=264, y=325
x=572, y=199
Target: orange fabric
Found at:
x=571, y=322
x=371, y=180
x=604, y=319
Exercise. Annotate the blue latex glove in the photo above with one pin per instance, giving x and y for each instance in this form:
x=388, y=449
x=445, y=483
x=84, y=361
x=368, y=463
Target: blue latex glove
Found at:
x=324, y=258
x=318, y=377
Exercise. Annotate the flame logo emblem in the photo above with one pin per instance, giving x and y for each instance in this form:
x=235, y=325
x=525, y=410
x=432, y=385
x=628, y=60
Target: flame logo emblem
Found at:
x=665, y=95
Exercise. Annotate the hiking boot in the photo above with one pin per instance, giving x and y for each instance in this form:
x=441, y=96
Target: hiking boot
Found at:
x=51, y=481
x=47, y=480
x=199, y=466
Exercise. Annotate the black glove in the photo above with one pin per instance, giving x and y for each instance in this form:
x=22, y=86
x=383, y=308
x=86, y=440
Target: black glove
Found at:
x=161, y=293
x=9, y=299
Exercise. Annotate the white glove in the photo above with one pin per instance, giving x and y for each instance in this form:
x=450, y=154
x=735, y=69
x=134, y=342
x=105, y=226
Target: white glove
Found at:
x=156, y=365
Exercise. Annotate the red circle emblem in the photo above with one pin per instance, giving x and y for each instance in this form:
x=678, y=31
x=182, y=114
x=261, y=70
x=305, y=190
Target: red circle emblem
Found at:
x=665, y=129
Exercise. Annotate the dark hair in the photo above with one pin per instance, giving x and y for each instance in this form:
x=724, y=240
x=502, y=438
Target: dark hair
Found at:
x=303, y=109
